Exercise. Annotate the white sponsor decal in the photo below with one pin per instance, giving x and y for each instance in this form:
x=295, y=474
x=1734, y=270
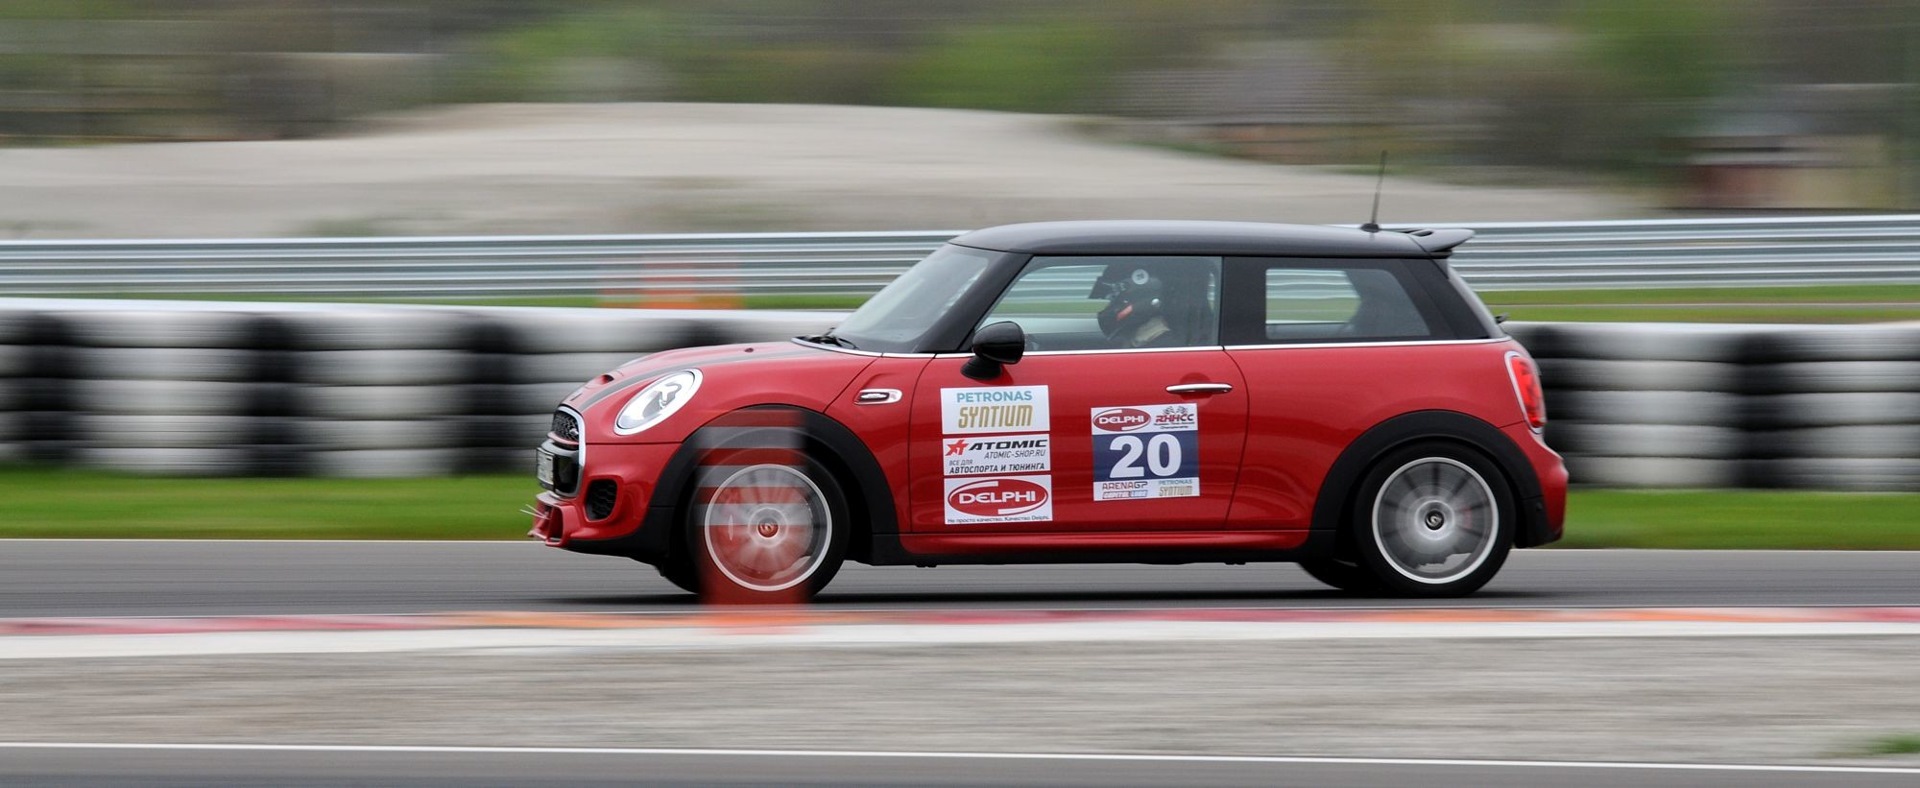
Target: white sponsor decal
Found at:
x=1000, y=409
x=1179, y=417
x=1143, y=489
x=997, y=454
x=1146, y=451
x=999, y=499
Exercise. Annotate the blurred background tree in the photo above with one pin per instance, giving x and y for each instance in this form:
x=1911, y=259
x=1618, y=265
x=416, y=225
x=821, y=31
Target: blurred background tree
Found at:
x=1622, y=88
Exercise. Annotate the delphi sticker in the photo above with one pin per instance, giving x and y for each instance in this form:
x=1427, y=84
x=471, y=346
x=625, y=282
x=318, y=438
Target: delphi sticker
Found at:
x=992, y=410
x=999, y=499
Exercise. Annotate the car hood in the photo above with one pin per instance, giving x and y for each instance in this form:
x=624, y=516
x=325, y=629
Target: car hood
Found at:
x=733, y=377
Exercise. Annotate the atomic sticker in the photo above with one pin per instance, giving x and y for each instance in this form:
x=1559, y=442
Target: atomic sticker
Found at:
x=1143, y=452
x=1000, y=454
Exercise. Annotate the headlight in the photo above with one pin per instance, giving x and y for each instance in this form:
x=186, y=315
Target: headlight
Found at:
x=660, y=399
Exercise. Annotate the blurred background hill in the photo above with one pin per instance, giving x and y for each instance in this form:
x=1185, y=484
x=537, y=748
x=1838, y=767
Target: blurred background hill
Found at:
x=666, y=167
x=1644, y=106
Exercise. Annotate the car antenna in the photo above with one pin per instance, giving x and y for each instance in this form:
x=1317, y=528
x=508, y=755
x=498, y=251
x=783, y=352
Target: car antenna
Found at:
x=1373, y=222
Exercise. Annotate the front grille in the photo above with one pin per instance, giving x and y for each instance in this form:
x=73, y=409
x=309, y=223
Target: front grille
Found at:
x=601, y=496
x=565, y=426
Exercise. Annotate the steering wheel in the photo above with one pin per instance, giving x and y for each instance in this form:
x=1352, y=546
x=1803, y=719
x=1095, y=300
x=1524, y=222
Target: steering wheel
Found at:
x=1033, y=343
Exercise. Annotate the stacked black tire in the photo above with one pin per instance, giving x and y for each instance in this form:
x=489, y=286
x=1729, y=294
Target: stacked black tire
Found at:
x=368, y=391
x=174, y=391
x=1833, y=407
x=331, y=390
x=1684, y=405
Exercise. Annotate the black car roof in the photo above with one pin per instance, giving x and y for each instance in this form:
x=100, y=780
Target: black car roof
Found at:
x=1254, y=239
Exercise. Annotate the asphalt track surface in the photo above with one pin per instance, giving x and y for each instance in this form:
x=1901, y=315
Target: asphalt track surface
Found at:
x=320, y=767
x=179, y=578
x=61, y=578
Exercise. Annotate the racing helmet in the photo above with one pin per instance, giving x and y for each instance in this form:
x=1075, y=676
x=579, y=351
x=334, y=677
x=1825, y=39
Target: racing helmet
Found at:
x=1135, y=296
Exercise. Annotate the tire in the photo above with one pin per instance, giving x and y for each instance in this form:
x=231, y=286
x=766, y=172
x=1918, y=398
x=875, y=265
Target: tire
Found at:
x=1417, y=503
x=758, y=538
x=1344, y=575
x=143, y=328
x=397, y=368
x=680, y=572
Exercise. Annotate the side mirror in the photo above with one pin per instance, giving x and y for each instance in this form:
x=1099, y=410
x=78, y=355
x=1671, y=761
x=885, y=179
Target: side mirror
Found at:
x=995, y=345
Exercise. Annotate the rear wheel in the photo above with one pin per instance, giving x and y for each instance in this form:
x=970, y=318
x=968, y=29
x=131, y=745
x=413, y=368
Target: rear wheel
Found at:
x=764, y=533
x=1432, y=519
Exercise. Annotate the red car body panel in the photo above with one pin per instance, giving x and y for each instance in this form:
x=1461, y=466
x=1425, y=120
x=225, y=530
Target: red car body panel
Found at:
x=1310, y=403
x=1306, y=410
x=1079, y=385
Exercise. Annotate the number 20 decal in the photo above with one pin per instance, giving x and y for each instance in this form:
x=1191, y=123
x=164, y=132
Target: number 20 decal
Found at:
x=1146, y=451
x=1162, y=452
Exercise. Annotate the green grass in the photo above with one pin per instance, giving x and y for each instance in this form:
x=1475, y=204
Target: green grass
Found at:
x=1813, y=304
x=1743, y=519
x=85, y=504
x=1908, y=744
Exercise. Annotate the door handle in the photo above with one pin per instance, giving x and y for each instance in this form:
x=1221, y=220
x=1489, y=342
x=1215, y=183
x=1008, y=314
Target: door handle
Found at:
x=1200, y=388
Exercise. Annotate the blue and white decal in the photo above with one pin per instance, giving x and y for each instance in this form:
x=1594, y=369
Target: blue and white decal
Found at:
x=1142, y=452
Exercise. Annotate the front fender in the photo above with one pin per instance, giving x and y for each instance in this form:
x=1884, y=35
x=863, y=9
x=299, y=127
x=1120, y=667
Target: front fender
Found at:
x=827, y=440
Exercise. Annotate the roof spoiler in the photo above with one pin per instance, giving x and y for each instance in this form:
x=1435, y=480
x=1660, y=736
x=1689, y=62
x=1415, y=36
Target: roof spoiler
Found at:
x=1439, y=243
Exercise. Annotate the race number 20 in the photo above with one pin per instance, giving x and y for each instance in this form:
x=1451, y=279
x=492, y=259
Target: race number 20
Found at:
x=1146, y=451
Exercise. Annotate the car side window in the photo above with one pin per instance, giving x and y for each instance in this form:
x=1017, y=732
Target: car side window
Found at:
x=1107, y=303
x=1340, y=305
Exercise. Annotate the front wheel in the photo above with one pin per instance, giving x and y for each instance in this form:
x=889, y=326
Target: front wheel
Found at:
x=766, y=533
x=1433, y=519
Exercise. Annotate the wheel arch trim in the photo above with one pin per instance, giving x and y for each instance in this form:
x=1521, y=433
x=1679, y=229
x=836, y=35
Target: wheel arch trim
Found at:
x=863, y=481
x=1331, y=508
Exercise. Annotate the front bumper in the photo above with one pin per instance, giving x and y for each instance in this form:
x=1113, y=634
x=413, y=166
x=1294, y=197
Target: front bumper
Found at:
x=565, y=519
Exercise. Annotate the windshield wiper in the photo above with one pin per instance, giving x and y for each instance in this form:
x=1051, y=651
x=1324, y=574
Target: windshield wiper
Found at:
x=829, y=339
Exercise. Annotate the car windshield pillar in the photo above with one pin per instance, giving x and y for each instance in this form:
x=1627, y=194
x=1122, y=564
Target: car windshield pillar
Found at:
x=931, y=307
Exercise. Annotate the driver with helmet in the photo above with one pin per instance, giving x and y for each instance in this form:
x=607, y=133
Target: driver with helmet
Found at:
x=1153, y=305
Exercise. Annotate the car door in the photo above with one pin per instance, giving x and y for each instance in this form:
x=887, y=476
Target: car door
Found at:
x=1124, y=415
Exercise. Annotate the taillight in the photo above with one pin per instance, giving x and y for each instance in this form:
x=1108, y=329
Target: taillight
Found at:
x=1526, y=386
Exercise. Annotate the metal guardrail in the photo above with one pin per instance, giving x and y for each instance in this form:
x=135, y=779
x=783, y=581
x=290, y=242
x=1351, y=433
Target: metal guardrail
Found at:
x=1504, y=256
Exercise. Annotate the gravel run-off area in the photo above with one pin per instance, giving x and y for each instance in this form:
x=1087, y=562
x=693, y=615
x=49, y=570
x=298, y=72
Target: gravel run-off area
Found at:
x=612, y=168
x=1756, y=700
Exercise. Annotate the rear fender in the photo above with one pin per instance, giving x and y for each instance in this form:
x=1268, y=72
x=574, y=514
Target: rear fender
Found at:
x=1333, y=509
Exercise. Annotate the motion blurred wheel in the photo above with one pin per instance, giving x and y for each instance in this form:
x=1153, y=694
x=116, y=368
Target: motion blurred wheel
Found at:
x=1433, y=519
x=766, y=533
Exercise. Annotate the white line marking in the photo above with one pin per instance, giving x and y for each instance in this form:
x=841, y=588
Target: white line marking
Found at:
x=998, y=756
x=701, y=638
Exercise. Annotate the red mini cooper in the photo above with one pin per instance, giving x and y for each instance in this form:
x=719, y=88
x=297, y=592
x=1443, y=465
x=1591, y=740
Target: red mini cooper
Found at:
x=1142, y=392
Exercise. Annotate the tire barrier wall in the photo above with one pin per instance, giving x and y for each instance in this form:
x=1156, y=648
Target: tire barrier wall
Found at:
x=1688, y=405
x=356, y=391
x=371, y=391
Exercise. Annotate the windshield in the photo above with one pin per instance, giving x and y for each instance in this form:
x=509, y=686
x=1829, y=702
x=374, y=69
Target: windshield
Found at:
x=895, y=319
